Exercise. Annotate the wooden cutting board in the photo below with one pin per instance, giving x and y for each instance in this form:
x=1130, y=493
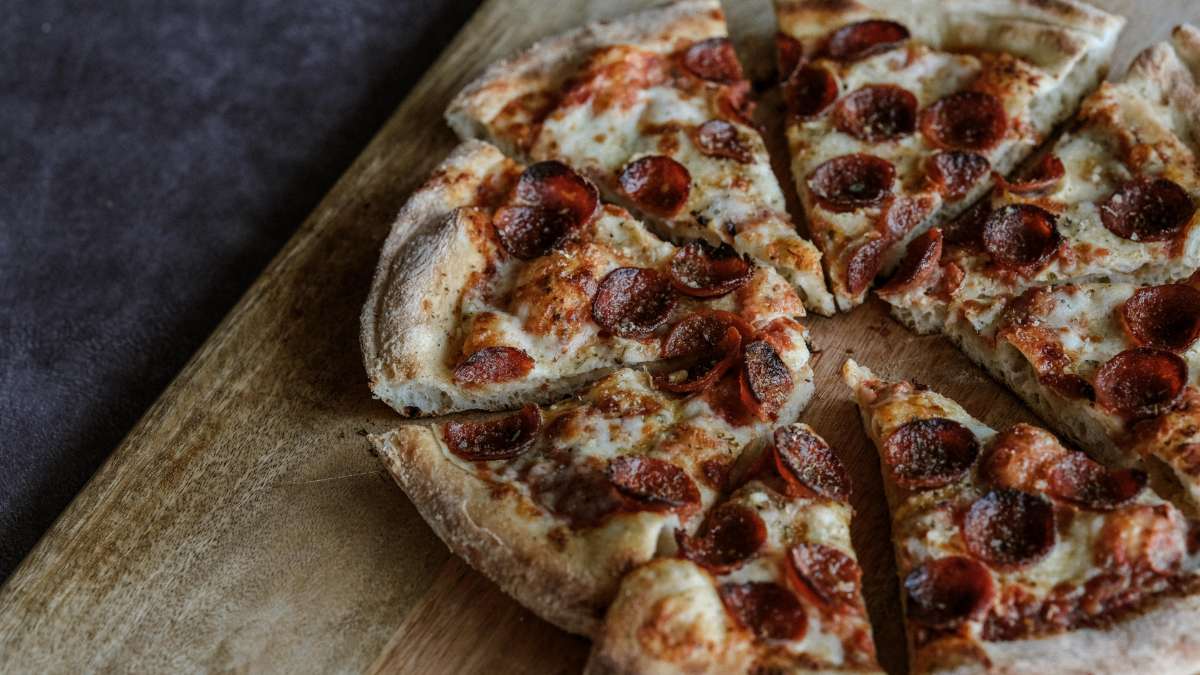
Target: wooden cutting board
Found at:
x=243, y=525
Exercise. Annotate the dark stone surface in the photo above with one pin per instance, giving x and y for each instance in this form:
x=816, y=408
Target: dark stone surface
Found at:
x=153, y=157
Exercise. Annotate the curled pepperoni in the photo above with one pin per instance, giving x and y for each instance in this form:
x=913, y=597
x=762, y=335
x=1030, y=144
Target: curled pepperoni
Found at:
x=929, y=453
x=1164, y=317
x=1021, y=236
x=860, y=40
x=1079, y=480
x=657, y=184
x=1147, y=209
x=713, y=59
x=766, y=380
x=493, y=364
x=946, y=592
x=499, y=438
x=877, y=112
x=966, y=120
x=702, y=271
x=828, y=576
x=718, y=138
x=1140, y=383
x=552, y=201
x=632, y=301
x=918, y=266
x=809, y=90
x=1009, y=528
x=1044, y=176
x=955, y=172
x=790, y=53
x=852, y=182
x=769, y=610
x=864, y=265
x=806, y=460
x=730, y=535
x=658, y=484
x=710, y=343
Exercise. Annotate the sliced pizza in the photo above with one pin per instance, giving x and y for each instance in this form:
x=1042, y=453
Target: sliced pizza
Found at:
x=1018, y=555
x=501, y=285
x=1115, y=199
x=654, y=108
x=768, y=583
x=556, y=504
x=899, y=112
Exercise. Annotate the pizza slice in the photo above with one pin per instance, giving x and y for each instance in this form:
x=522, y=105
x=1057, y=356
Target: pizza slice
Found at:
x=899, y=112
x=555, y=504
x=1115, y=199
x=501, y=285
x=767, y=584
x=1018, y=555
x=654, y=108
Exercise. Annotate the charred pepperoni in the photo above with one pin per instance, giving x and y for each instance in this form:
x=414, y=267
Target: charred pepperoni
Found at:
x=493, y=364
x=1009, y=528
x=1021, y=236
x=865, y=38
x=656, y=484
x=806, y=461
x=766, y=380
x=1140, y=383
x=955, y=172
x=551, y=202
x=499, y=438
x=967, y=228
x=1081, y=481
x=1147, y=209
x=966, y=120
x=877, y=112
x=657, y=184
x=852, y=182
x=947, y=592
x=1045, y=175
x=829, y=577
x=864, y=265
x=702, y=271
x=632, y=302
x=718, y=138
x=713, y=59
x=769, y=610
x=929, y=453
x=808, y=91
x=919, y=265
x=709, y=342
x=1164, y=317
x=729, y=536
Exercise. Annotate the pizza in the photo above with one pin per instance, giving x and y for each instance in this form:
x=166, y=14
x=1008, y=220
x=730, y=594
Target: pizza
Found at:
x=1019, y=555
x=899, y=114
x=655, y=109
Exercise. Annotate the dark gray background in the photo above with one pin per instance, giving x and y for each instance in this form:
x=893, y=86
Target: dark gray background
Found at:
x=153, y=157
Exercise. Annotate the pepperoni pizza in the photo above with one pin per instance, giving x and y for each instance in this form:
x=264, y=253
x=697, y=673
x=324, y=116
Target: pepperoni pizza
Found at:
x=1017, y=555
x=899, y=112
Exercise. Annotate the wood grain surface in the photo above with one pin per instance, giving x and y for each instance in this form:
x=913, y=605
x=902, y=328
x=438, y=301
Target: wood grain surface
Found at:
x=243, y=525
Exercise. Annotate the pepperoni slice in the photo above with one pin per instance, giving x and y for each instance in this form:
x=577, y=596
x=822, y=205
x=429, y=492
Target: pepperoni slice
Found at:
x=966, y=120
x=493, y=364
x=1044, y=176
x=657, y=484
x=1140, y=383
x=718, y=138
x=1021, y=236
x=825, y=574
x=713, y=59
x=709, y=341
x=1086, y=483
x=766, y=380
x=1147, y=209
x=865, y=38
x=790, y=53
x=702, y=271
x=556, y=187
x=864, y=265
x=946, y=592
x=730, y=535
x=769, y=610
x=877, y=112
x=809, y=90
x=918, y=266
x=852, y=182
x=499, y=438
x=805, y=460
x=1009, y=528
x=967, y=229
x=657, y=184
x=955, y=172
x=929, y=453
x=733, y=101
x=552, y=201
x=1164, y=317
x=633, y=301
